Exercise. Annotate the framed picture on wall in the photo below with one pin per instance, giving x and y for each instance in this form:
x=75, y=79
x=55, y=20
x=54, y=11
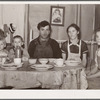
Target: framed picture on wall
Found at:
x=57, y=15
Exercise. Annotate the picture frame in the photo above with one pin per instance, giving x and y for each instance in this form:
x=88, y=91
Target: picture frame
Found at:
x=57, y=15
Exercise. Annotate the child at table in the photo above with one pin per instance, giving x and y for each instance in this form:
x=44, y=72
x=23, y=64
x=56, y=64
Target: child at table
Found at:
x=74, y=48
x=18, y=41
x=93, y=76
x=3, y=51
x=95, y=71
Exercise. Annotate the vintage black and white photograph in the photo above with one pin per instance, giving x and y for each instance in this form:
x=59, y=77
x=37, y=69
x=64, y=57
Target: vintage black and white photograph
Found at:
x=50, y=46
x=57, y=15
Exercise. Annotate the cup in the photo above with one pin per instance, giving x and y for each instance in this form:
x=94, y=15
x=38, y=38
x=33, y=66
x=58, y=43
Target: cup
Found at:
x=59, y=62
x=17, y=61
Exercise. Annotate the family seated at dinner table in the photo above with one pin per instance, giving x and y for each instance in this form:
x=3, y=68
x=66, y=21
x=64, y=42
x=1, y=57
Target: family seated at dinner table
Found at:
x=46, y=47
x=74, y=49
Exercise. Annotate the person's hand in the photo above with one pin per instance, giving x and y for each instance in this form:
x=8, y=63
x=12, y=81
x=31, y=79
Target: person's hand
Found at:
x=89, y=76
x=24, y=59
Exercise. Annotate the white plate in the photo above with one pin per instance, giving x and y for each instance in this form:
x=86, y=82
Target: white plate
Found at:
x=59, y=66
x=11, y=66
x=41, y=67
x=72, y=63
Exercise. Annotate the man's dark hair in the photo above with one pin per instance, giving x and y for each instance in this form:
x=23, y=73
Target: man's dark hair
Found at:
x=43, y=24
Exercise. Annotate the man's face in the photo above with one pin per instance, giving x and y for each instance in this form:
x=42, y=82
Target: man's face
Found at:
x=98, y=37
x=44, y=32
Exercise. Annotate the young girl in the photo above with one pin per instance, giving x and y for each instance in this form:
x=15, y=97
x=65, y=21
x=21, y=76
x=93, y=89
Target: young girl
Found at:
x=74, y=48
x=94, y=75
x=18, y=41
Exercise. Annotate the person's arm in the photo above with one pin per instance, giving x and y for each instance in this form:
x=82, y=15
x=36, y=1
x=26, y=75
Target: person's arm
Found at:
x=31, y=49
x=59, y=53
x=97, y=74
x=84, y=53
x=93, y=71
x=64, y=56
x=11, y=54
x=84, y=60
x=25, y=55
x=64, y=49
x=56, y=49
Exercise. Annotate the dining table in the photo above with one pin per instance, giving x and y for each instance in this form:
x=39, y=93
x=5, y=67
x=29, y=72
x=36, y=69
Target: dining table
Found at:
x=66, y=77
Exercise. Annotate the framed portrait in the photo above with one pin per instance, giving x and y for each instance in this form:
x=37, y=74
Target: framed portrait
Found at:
x=57, y=15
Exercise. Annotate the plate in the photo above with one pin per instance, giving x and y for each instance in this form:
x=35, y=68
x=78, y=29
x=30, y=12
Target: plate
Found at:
x=59, y=66
x=72, y=62
x=41, y=67
x=11, y=66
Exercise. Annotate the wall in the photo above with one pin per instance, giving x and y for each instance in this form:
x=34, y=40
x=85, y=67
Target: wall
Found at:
x=83, y=15
x=13, y=13
x=87, y=21
x=73, y=14
x=40, y=12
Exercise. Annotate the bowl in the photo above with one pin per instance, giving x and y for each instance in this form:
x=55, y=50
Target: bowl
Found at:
x=32, y=61
x=43, y=60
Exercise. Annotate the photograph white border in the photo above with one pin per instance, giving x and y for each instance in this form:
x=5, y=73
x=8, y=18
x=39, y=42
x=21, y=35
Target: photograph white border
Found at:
x=50, y=94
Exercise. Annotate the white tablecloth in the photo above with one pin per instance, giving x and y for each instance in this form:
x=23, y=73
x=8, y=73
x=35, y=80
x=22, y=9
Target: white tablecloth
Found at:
x=57, y=78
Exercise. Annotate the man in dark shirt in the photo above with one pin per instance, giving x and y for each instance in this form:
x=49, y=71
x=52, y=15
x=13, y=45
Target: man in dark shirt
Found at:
x=43, y=46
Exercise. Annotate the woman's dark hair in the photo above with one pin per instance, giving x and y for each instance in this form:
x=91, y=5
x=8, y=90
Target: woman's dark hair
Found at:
x=43, y=24
x=76, y=27
x=18, y=36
